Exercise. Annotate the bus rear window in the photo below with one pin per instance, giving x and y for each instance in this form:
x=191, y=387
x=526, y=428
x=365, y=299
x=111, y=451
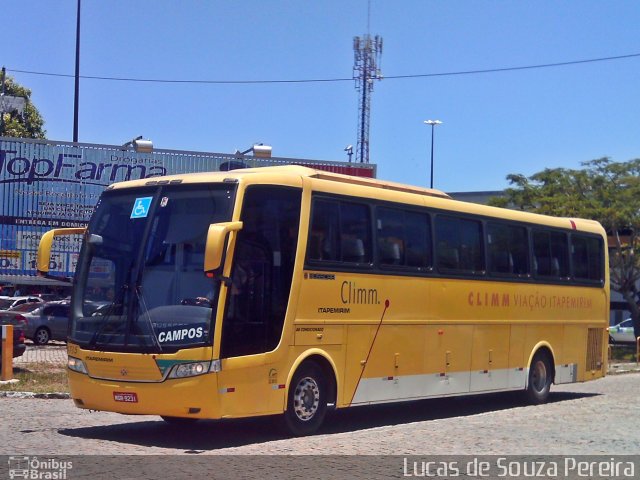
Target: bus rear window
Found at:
x=586, y=258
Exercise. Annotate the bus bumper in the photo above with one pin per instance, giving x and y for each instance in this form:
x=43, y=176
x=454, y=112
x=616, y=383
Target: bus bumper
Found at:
x=193, y=397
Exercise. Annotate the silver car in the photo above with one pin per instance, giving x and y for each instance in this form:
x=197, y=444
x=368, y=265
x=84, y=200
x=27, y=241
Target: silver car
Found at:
x=10, y=302
x=47, y=322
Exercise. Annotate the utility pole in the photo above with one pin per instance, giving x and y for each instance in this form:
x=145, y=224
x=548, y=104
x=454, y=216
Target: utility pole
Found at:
x=4, y=73
x=77, y=83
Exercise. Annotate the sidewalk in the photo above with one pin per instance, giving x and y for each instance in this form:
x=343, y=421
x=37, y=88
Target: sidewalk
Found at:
x=627, y=367
x=54, y=353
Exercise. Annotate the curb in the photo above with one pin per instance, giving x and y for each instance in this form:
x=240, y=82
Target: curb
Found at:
x=622, y=371
x=54, y=395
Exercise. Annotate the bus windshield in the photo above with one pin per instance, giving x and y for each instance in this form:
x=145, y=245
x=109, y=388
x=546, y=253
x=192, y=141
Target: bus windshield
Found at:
x=140, y=284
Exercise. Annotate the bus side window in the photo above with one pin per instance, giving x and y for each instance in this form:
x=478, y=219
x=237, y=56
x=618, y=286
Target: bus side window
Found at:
x=340, y=232
x=355, y=233
x=324, y=231
x=403, y=238
x=390, y=236
x=550, y=251
x=352, y=249
x=560, y=255
x=508, y=249
x=390, y=251
x=448, y=257
x=315, y=245
x=417, y=240
x=460, y=245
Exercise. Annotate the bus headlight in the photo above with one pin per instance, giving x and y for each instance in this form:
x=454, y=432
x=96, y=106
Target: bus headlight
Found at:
x=190, y=369
x=77, y=365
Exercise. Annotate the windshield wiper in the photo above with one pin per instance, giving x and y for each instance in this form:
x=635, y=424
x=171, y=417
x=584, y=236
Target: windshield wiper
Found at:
x=145, y=313
x=118, y=299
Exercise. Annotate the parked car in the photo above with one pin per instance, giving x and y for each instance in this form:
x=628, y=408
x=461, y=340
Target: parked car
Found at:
x=101, y=308
x=47, y=322
x=50, y=321
x=13, y=312
x=9, y=302
x=48, y=297
x=23, y=308
x=622, y=332
x=18, y=339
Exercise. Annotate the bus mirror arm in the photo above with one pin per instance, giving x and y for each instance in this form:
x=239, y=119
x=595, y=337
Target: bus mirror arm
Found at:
x=222, y=279
x=46, y=242
x=216, y=239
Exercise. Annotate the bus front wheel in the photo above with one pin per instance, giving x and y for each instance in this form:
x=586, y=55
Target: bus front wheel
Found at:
x=307, y=400
x=540, y=378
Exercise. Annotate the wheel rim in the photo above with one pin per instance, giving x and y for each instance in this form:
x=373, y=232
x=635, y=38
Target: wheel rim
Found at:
x=306, y=399
x=42, y=336
x=539, y=376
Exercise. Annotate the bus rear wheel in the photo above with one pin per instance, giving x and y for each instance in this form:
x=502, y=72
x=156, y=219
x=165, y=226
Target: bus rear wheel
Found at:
x=307, y=400
x=540, y=378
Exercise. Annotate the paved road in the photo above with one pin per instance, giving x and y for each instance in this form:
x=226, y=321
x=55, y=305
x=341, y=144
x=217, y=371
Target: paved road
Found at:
x=600, y=417
x=54, y=353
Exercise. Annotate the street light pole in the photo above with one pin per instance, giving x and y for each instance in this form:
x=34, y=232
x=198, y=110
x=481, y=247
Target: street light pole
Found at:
x=76, y=93
x=433, y=123
x=4, y=73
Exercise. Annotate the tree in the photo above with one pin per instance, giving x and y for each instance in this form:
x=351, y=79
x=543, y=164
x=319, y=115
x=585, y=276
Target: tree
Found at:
x=603, y=190
x=27, y=125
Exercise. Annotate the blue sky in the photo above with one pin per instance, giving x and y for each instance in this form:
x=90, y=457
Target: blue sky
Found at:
x=494, y=123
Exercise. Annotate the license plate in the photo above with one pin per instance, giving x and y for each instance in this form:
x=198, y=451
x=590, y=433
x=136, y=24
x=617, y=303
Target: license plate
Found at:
x=127, y=397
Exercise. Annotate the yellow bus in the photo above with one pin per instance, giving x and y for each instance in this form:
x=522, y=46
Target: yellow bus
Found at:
x=291, y=291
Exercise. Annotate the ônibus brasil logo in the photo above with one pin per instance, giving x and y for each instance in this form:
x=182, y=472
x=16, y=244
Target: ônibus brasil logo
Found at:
x=41, y=469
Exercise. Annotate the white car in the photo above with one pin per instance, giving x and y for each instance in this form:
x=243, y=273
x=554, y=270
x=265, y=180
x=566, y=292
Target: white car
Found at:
x=622, y=332
x=9, y=302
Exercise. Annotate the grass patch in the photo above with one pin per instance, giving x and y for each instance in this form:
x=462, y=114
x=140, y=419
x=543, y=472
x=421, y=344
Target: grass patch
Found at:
x=38, y=378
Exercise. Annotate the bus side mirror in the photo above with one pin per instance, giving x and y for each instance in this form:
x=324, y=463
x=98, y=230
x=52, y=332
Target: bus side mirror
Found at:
x=215, y=243
x=46, y=242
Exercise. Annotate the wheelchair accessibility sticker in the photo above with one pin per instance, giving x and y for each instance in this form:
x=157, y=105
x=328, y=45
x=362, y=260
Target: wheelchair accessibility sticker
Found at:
x=141, y=207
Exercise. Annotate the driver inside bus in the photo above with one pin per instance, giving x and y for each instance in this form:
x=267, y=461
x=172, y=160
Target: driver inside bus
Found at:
x=239, y=279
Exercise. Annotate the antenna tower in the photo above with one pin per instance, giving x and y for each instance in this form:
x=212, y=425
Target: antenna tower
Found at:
x=367, y=52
